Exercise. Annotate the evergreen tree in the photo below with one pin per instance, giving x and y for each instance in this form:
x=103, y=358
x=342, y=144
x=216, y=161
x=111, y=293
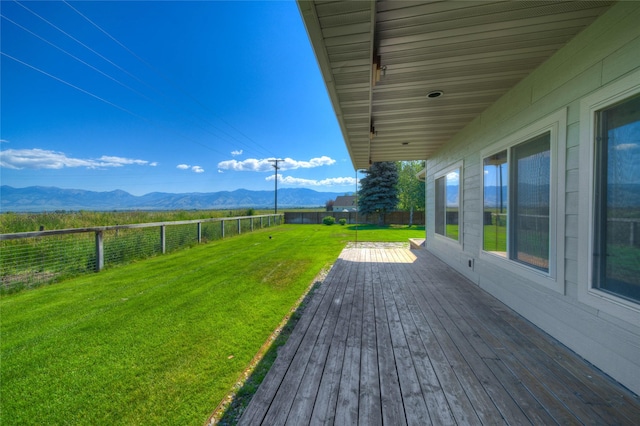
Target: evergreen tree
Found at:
x=410, y=190
x=329, y=205
x=379, y=190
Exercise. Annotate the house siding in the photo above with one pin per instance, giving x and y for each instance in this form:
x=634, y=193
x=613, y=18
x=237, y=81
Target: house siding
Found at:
x=603, y=53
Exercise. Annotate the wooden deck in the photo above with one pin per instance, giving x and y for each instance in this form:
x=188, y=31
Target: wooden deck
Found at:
x=396, y=337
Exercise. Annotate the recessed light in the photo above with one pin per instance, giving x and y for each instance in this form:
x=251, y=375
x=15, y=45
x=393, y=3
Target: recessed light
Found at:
x=405, y=143
x=435, y=94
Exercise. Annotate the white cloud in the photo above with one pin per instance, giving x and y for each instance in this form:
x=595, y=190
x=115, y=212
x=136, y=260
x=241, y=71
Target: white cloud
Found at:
x=289, y=164
x=153, y=164
x=119, y=161
x=265, y=165
x=4, y=141
x=290, y=180
x=195, y=169
x=453, y=178
x=236, y=152
x=45, y=159
x=220, y=171
x=626, y=146
x=248, y=165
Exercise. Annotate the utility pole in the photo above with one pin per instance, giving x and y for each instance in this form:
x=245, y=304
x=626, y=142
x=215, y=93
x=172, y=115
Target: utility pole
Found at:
x=275, y=162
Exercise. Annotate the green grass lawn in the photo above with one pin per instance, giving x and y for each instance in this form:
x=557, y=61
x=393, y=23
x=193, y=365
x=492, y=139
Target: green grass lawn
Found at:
x=163, y=340
x=379, y=233
x=495, y=238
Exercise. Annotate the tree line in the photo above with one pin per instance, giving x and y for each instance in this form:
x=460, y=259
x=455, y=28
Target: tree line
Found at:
x=389, y=186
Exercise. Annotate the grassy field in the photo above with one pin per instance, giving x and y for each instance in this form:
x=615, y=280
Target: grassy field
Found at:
x=27, y=222
x=495, y=238
x=163, y=340
x=377, y=233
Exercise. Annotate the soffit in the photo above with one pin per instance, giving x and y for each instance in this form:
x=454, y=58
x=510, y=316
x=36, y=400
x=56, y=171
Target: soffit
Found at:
x=473, y=51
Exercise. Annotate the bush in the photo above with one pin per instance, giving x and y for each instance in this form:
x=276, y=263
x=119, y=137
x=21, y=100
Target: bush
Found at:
x=343, y=221
x=329, y=220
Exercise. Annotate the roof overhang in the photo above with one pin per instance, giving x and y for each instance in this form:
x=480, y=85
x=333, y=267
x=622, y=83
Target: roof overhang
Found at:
x=381, y=59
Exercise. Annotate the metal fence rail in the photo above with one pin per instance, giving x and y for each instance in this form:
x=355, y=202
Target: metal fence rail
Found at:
x=29, y=259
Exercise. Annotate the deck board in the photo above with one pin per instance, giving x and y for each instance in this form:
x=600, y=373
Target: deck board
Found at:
x=369, y=406
x=394, y=336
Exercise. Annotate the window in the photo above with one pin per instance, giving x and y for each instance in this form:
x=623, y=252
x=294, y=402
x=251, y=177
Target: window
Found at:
x=531, y=174
x=496, y=200
x=516, y=217
x=609, y=206
x=616, y=239
x=447, y=204
x=523, y=202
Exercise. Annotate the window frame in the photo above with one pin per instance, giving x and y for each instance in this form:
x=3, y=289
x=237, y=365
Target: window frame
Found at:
x=603, y=98
x=556, y=125
x=443, y=173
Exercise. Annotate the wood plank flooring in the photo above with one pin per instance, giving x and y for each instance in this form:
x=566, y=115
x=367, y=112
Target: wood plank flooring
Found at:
x=397, y=337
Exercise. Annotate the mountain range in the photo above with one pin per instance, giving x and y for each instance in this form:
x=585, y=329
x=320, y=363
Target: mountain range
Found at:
x=39, y=198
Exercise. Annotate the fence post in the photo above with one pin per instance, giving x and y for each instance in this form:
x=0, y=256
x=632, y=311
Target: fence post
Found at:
x=222, y=228
x=239, y=227
x=99, y=251
x=269, y=222
x=199, y=232
x=163, y=238
x=261, y=226
x=251, y=221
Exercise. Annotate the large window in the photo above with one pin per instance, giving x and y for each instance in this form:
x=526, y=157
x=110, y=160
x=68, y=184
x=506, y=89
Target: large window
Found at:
x=616, y=235
x=517, y=202
x=608, y=236
x=447, y=204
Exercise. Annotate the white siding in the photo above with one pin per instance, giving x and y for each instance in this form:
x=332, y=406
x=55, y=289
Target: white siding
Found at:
x=605, y=52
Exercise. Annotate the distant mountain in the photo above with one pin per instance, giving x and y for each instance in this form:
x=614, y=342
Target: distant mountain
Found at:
x=529, y=195
x=623, y=196
x=492, y=196
x=39, y=198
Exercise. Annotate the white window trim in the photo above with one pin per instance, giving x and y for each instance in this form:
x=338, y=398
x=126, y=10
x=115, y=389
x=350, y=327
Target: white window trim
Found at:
x=438, y=175
x=556, y=125
x=607, y=302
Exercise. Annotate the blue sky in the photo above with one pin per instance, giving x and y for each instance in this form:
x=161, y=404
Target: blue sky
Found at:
x=164, y=96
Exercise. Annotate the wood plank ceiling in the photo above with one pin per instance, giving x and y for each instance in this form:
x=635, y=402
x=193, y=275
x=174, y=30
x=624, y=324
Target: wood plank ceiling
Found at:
x=472, y=51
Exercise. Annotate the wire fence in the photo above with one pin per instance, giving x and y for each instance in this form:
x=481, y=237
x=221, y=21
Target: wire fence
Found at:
x=30, y=259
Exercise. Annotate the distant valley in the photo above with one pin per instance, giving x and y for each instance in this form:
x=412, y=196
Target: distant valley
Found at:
x=39, y=198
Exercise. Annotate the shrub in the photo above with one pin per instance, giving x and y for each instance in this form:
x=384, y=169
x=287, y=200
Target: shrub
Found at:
x=328, y=220
x=343, y=221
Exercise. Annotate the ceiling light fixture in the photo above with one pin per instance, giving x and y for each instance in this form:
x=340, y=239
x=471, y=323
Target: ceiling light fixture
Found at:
x=435, y=94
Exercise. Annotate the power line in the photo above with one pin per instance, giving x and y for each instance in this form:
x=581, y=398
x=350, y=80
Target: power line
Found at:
x=275, y=166
x=188, y=115
x=142, y=95
x=169, y=80
x=72, y=85
x=103, y=100
x=85, y=46
x=77, y=59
